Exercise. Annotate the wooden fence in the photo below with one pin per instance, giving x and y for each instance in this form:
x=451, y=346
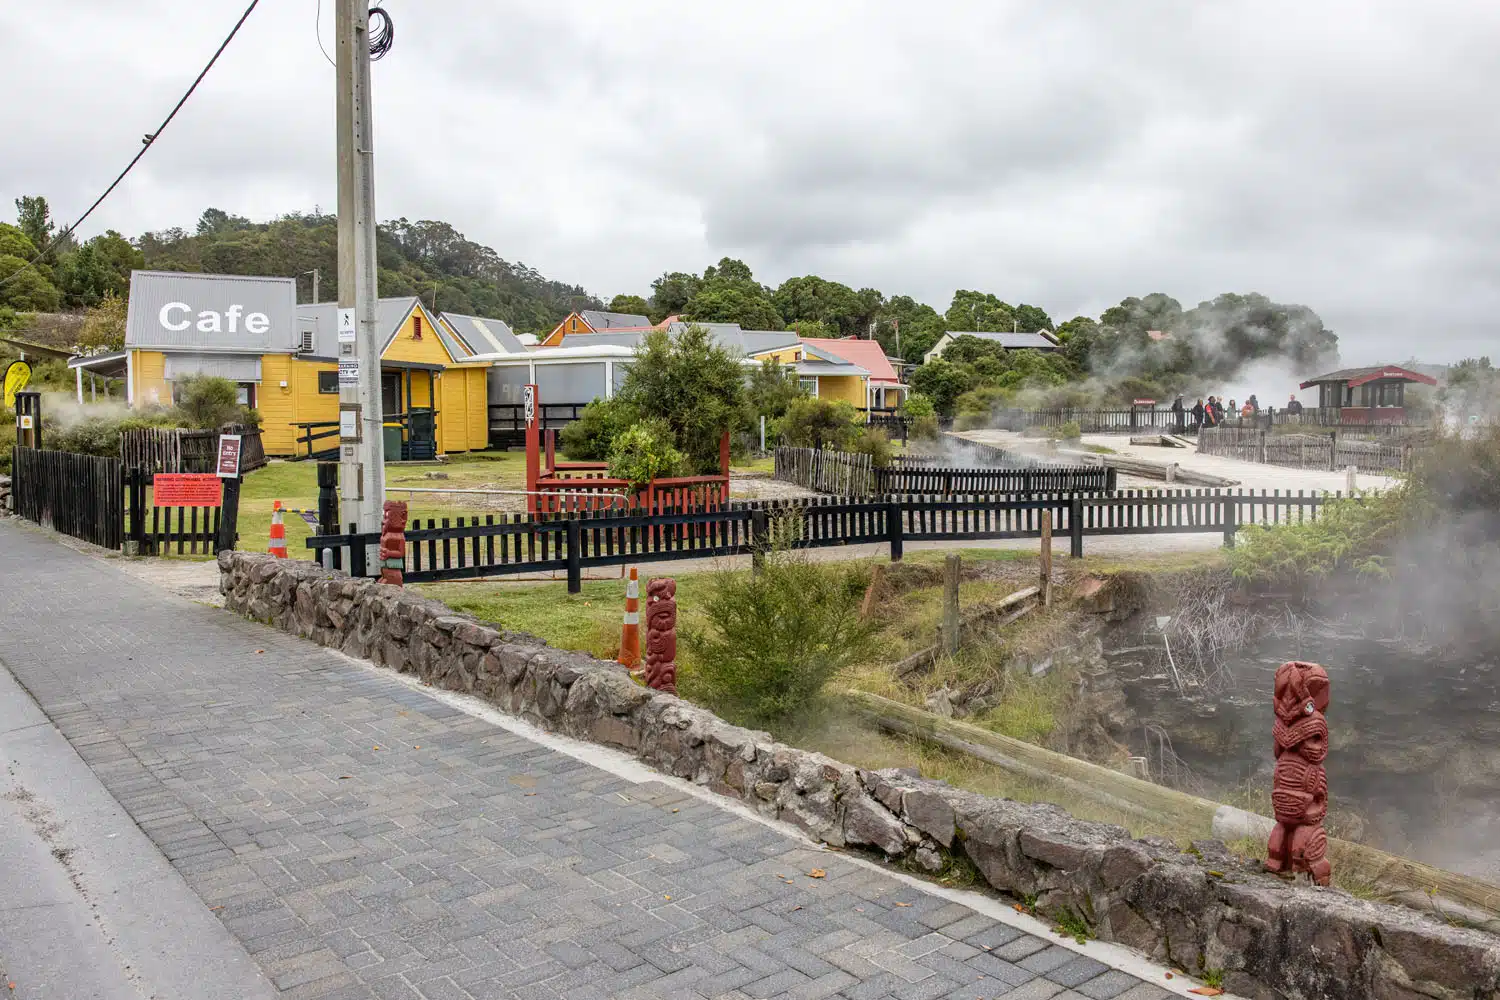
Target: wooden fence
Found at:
x=498, y=548
x=77, y=495
x=838, y=472
x=176, y=449
x=939, y=480
x=1331, y=450
x=1168, y=422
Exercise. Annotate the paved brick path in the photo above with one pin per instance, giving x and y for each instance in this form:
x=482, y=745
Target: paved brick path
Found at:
x=362, y=839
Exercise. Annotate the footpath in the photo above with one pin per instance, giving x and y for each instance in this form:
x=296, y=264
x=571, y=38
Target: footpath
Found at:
x=223, y=810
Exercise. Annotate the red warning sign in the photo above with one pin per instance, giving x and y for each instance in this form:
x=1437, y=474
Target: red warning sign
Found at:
x=187, y=489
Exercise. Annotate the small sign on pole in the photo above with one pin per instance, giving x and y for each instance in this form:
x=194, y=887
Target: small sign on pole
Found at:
x=229, y=456
x=346, y=326
x=348, y=371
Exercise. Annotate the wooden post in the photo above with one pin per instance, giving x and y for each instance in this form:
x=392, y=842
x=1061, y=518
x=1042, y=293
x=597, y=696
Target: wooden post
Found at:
x=229, y=516
x=893, y=529
x=873, y=591
x=328, y=498
x=760, y=540
x=952, y=572
x=1075, y=527
x=1046, y=559
x=1231, y=510
x=531, y=412
x=575, y=566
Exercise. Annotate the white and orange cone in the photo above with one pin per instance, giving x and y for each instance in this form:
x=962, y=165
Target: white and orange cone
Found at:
x=630, y=631
x=277, y=546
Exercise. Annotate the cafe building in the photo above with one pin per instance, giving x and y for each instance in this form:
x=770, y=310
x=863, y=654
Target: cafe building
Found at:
x=283, y=359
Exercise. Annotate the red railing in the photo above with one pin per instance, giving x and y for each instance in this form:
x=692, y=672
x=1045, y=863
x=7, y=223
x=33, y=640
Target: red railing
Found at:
x=566, y=487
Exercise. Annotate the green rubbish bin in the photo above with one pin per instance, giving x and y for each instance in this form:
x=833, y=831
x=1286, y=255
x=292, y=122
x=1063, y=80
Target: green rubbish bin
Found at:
x=392, y=443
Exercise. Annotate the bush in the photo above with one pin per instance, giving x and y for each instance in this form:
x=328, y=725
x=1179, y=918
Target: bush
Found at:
x=820, y=423
x=1350, y=535
x=94, y=436
x=209, y=402
x=7, y=442
x=588, y=439
x=1069, y=431
x=924, y=428
x=873, y=442
x=643, y=453
x=917, y=406
x=695, y=386
x=772, y=640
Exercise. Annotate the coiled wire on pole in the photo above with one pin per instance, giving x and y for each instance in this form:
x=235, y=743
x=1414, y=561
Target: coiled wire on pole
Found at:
x=383, y=36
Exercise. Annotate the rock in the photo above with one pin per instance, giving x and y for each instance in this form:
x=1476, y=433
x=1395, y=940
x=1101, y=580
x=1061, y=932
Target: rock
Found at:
x=866, y=822
x=929, y=811
x=929, y=859
x=940, y=703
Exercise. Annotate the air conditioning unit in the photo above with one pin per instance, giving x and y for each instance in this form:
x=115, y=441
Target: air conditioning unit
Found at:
x=307, y=344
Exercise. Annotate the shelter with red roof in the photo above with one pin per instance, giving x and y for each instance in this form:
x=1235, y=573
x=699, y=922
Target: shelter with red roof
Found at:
x=1375, y=394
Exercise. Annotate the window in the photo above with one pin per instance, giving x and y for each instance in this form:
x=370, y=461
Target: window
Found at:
x=416, y=328
x=808, y=386
x=245, y=395
x=328, y=383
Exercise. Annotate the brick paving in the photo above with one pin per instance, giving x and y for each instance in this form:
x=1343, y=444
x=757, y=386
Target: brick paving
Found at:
x=364, y=840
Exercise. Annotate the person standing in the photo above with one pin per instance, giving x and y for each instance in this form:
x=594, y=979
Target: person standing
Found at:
x=1198, y=412
x=1178, y=418
x=1293, y=405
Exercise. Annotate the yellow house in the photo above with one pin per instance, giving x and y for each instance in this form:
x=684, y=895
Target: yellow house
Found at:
x=283, y=357
x=595, y=321
x=822, y=373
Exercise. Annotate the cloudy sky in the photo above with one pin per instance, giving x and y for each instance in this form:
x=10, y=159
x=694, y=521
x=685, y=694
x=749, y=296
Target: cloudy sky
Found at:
x=1340, y=153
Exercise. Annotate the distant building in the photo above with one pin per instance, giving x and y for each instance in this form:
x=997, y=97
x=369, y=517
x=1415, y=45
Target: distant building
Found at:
x=1372, y=395
x=1043, y=341
x=596, y=321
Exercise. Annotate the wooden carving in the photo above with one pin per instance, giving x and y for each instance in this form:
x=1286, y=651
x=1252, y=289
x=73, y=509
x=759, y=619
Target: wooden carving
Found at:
x=1299, y=793
x=661, y=635
x=392, y=542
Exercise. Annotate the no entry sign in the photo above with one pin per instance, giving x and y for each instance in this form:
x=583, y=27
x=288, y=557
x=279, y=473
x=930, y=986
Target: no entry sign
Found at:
x=187, y=489
x=229, y=456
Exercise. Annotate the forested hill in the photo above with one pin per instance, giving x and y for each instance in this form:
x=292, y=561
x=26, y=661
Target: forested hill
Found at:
x=415, y=258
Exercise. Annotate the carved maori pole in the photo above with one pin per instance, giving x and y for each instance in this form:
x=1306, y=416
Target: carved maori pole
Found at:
x=1299, y=793
x=392, y=541
x=661, y=635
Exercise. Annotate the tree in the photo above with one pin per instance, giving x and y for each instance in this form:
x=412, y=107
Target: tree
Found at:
x=733, y=305
x=31, y=290
x=35, y=219
x=104, y=325
x=1032, y=319
x=820, y=423
x=15, y=243
x=632, y=304
x=671, y=293
x=216, y=220
x=907, y=328
x=815, y=329
x=772, y=389
x=209, y=402
x=1157, y=311
x=980, y=312
x=693, y=385
x=942, y=381
x=836, y=306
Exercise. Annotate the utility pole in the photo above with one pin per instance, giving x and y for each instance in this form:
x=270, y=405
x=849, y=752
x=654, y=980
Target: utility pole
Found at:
x=361, y=447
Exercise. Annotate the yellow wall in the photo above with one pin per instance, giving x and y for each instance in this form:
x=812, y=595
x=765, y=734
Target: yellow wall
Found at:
x=847, y=388
x=573, y=324
x=278, y=406
x=405, y=347
x=790, y=354
x=149, y=371
x=463, y=418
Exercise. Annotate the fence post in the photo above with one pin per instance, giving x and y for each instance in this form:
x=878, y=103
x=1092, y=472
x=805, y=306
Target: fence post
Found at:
x=328, y=498
x=135, y=490
x=575, y=566
x=1046, y=559
x=229, y=516
x=1111, y=478
x=1075, y=527
x=952, y=573
x=760, y=530
x=893, y=529
x=357, y=554
x=1231, y=510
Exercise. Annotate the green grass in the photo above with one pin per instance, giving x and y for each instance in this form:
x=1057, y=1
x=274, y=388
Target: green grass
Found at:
x=295, y=484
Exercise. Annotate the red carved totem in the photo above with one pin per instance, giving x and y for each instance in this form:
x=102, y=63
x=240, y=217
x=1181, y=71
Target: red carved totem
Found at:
x=661, y=635
x=1299, y=793
x=392, y=541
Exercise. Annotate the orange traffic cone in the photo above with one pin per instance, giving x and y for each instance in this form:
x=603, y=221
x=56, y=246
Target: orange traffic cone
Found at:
x=630, y=632
x=277, y=547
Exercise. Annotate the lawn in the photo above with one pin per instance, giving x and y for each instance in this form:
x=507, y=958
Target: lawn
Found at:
x=295, y=484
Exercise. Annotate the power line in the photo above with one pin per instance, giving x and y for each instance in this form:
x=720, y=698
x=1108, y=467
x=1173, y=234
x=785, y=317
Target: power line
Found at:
x=146, y=143
x=318, y=34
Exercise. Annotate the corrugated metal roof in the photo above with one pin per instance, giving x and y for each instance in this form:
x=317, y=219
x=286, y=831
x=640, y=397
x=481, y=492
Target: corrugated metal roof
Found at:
x=1008, y=341
x=601, y=339
x=868, y=354
x=390, y=313
x=1368, y=373
x=602, y=321
x=179, y=310
x=484, y=335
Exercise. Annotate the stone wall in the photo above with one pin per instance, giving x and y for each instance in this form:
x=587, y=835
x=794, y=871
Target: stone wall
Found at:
x=1197, y=911
x=7, y=505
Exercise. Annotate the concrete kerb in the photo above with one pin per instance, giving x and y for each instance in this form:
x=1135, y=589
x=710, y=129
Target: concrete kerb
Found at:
x=1197, y=911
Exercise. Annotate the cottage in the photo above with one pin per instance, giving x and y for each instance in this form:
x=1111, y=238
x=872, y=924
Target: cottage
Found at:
x=283, y=358
x=1042, y=341
x=595, y=321
x=1371, y=395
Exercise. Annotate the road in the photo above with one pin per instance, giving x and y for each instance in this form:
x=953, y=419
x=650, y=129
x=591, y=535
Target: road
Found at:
x=221, y=810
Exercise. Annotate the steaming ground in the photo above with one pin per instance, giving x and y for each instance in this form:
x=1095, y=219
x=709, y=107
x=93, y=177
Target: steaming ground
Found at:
x=1250, y=475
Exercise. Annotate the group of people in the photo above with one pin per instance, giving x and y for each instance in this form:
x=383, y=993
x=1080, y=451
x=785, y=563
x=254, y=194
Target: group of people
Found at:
x=1213, y=411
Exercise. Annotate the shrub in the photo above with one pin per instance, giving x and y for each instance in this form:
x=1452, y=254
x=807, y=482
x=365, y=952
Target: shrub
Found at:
x=691, y=383
x=7, y=442
x=924, y=428
x=1069, y=431
x=917, y=406
x=873, y=442
x=588, y=439
x=209, y=402
x=820, y=423
x=1349, y=535
x=772, y=640
x=643, y=453
x=94, y=436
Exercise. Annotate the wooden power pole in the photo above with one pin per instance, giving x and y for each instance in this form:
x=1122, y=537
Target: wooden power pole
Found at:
x=361, y=445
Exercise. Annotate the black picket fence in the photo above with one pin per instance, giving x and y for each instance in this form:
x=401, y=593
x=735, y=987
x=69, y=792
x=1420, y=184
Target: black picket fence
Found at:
x=519, y=545
x=101, y=501
x=77, y=495
x=968, y=480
